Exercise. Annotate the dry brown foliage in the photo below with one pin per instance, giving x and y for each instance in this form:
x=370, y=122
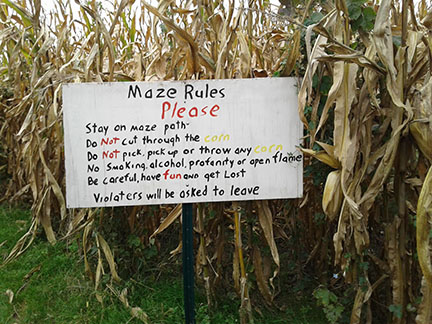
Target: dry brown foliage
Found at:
x=373, y=127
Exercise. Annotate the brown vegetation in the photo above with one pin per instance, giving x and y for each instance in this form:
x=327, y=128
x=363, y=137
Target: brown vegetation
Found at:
x=365, y=99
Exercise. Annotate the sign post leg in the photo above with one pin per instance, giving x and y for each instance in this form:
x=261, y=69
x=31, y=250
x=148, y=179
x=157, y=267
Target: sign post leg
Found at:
x=188, y=264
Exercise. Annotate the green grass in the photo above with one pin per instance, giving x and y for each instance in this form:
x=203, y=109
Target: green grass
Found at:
x=47, y=282
x=49, y=286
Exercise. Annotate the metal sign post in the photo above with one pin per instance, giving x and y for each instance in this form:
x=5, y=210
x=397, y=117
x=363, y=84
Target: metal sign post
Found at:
x=188, y=264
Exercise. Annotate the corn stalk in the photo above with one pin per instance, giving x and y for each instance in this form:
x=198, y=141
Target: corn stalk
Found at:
x=370, y=150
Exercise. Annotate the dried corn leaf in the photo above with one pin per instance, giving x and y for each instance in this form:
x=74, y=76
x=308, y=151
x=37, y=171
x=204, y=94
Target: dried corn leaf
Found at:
x=323, y=157
x=394, y=259
x=192, y=58
x=305, y=93
x=244, y=56
x=54, y=186
x=86, y=233
x=22, y=11
x=383, y=36
x=384, y=167
x=109, y=257
x=424, y=313
x=427, y=20
x=90, y=60
x=9, y=293
x=265, y=218
x=98, y=275
x=262, y=280
x=138, y=313
x=45, y=218
x=293, y=54
x=424, y=218
x=344, y=148
x=23, y=243
x=228, y=35
x=357, y=306
x=421, y=128
x=173, y=215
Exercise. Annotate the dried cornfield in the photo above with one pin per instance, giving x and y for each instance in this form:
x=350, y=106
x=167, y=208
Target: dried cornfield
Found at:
x=365, y=100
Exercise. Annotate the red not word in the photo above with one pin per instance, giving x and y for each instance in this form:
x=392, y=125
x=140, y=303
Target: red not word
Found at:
x=110, y=155
x=109, y=141
x=174, y=111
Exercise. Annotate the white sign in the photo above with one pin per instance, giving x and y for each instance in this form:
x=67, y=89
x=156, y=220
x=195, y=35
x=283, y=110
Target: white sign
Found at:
x=182, y=141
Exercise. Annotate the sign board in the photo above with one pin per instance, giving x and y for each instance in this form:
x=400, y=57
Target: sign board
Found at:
x=181, y=141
